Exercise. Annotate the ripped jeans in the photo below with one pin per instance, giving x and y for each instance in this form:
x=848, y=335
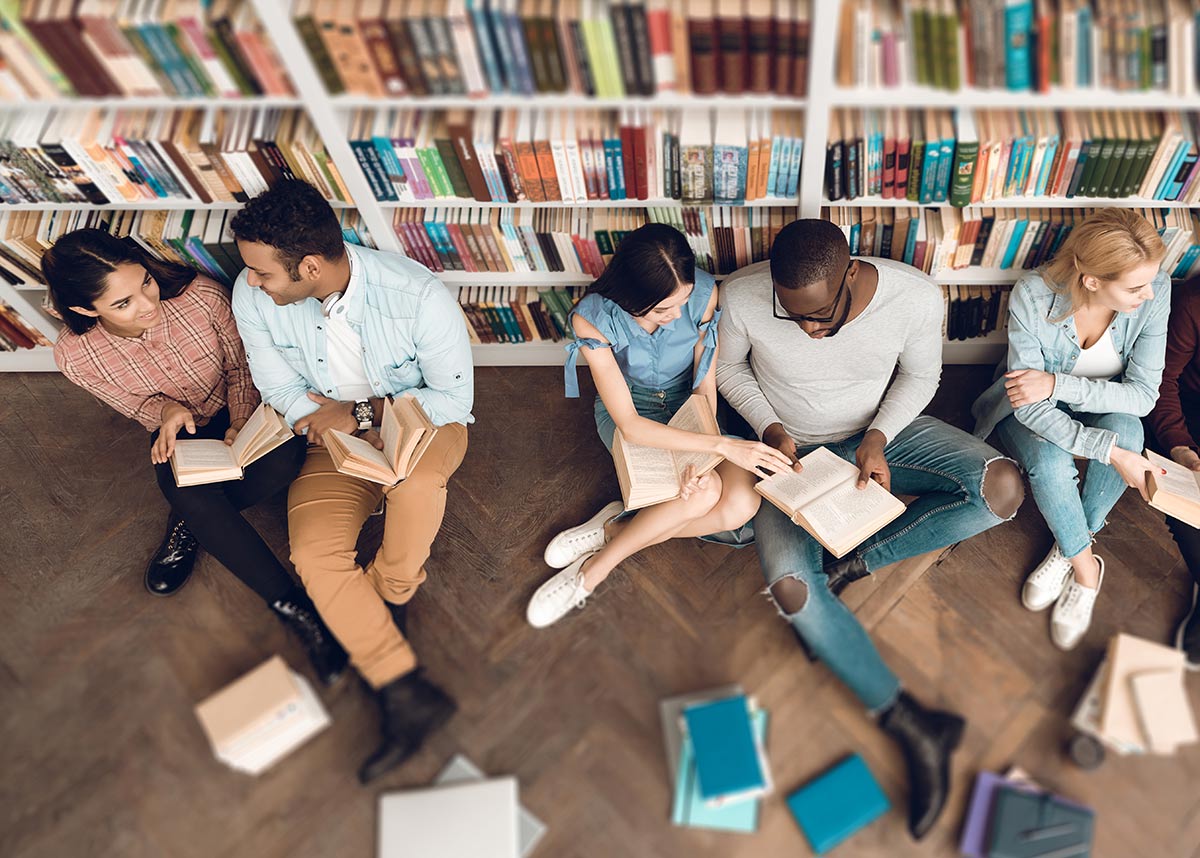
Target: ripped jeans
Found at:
x=1073, y=515
x=944, y=467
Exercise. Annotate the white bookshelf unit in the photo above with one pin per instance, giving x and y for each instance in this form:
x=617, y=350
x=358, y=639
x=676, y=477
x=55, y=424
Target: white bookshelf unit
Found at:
x=330, y=116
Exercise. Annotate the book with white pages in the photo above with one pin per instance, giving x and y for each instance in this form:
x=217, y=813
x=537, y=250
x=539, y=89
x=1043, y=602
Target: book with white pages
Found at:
x=824, y=499
x=472, y=818
x=650, y=475
x=1174, y=489
x=197, y=461
x=407, y=433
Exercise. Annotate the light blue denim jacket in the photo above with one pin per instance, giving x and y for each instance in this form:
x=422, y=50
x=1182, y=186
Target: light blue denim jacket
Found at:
x=413, y=334
x=1036, y=341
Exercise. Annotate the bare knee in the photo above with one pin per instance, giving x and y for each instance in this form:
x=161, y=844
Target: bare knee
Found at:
x=702, y=500
x=1003, y=488
x=738, y=505
x=790, y=594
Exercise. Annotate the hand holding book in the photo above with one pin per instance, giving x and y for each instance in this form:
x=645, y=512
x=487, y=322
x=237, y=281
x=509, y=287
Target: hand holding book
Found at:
x=174, y=418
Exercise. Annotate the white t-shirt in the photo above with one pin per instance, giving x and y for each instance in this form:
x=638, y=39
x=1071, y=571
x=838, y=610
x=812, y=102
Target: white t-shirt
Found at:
x=1100, y=360
x=346, y=348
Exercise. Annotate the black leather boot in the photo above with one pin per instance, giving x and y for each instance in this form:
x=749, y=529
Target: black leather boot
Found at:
x=928, y=737
x=172, y=564
x=842, y=573
x=326, y=655
x=399, y=616
x=413, y=708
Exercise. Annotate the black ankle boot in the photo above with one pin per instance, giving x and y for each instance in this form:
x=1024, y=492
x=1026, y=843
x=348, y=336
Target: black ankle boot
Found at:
x=399, y=616
x=326, y=655
x=928, y=737
x=413, y=708
x=842, y=573
x=172, y=564
x=1187, y=637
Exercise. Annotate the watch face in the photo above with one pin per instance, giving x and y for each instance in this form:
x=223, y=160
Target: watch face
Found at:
x=363, y=412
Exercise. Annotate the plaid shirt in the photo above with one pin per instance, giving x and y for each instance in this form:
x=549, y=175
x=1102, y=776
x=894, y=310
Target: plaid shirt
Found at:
x=193, y=356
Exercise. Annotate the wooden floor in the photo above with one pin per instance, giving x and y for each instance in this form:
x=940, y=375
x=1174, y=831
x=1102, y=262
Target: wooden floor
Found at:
x=101, y=755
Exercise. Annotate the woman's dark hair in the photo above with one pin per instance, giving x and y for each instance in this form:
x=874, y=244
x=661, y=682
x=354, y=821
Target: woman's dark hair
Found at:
x=649, y=265
x=293, y=218
x=76, y=269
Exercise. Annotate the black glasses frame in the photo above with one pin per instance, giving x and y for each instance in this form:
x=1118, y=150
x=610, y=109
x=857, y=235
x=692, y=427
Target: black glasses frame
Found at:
x=819, y=320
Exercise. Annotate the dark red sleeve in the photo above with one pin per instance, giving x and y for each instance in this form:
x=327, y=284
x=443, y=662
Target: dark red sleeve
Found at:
x=1167, y=419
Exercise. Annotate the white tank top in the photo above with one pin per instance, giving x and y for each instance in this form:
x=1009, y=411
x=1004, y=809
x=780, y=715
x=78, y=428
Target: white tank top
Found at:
x=1100, y=360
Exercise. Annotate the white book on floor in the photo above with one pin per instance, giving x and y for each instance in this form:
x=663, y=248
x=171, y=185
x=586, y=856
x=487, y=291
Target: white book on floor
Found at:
x=261, y=717
x=530, y=829
x=477, y=819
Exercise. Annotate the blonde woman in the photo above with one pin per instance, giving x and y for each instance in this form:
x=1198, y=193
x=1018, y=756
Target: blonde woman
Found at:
x=1087, y=338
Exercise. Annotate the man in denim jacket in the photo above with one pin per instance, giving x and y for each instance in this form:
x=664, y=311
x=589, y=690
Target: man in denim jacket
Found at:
x=331, y=330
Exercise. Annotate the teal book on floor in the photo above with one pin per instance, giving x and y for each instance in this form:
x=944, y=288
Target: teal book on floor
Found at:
x=690, y=810
x=843, y=800
x=729, y=765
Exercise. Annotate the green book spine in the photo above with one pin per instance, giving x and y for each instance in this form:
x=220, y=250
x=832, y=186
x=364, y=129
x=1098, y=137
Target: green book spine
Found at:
x=454, y=170
x=307, y=28
x=922, y=45
x=966, y=152
x=1125, y=167
x=1137, y=173
x=1097, y=152
x=431, y=162
x=915, y=164
x=1104, y=182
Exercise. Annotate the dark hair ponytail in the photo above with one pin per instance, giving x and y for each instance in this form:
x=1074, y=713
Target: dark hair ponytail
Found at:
x=649, y=265
x=76, y=269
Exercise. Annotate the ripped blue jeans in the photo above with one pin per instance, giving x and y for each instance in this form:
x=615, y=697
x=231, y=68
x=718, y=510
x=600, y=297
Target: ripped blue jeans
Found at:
x=944, y=467
x=1074, y=516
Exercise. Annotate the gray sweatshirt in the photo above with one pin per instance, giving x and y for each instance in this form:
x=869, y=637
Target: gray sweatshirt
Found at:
x=828, y=389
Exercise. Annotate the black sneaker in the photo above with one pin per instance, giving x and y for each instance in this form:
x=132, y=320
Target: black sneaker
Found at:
x=1187, y=638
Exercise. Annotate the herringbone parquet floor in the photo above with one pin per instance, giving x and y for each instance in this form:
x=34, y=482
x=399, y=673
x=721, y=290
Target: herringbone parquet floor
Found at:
x=101, y=755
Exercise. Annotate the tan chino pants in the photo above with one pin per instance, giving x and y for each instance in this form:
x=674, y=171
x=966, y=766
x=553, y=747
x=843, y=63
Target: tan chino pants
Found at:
x=326, y=511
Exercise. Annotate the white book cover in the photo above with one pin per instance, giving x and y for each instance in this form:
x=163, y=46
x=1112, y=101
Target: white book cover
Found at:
x=465, y=820
x=530, y=829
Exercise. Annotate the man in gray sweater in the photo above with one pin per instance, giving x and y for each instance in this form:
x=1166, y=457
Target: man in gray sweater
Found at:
x=818, y=349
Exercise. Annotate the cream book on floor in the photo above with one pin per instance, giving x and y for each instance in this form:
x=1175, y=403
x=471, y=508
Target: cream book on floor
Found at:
x=210, y=460
x=824, y=500
x=650, y=475
x=1176, y=492
x=464, y=820
x=261, y=717
x=1144, y=704
x=407, y=433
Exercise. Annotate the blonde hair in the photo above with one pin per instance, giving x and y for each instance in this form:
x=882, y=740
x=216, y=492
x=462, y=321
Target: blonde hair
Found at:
x=1108, y=243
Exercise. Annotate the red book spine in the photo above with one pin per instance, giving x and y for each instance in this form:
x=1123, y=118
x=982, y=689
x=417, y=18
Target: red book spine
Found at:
x=631, y=186
x=732, y=50
x=706, y=55
x=902, y=153
x=639, y=162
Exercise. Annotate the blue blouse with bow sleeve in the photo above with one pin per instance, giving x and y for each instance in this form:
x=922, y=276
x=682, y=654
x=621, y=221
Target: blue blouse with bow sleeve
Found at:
x=654, y=361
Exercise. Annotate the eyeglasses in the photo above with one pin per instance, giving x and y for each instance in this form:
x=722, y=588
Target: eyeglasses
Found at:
x=843, y=287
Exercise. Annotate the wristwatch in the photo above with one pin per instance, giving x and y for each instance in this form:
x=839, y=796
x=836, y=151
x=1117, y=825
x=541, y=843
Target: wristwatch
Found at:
x=364, y=414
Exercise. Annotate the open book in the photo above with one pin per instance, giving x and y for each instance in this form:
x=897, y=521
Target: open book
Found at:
x=823, y=499
x=649, y=475
x=406, y=431
x=210, y=460
x=1177, y=493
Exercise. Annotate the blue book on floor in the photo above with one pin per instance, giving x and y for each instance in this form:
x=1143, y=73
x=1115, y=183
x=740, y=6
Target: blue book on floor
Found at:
x=728, y=763
x=690, y=810
x=837, y=804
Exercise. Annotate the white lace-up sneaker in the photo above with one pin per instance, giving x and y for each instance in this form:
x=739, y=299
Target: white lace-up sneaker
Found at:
x=554, y=599
x=1073, y=612
x=1047, y=581
x=574, y=543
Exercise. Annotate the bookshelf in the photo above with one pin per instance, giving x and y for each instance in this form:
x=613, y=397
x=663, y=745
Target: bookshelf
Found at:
x=331, y=117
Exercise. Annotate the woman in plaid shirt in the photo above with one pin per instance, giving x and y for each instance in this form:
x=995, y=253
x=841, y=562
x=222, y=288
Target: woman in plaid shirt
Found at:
x=157, y=342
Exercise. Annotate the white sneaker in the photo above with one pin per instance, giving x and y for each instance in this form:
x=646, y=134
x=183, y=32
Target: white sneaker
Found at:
x=1046, y=583
x=574, y=543
x=1073, y=612
x=554, y=599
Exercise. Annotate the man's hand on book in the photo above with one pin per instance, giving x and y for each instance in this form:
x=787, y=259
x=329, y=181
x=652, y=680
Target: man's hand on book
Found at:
x=375, y=439
x=759, y=459
x=232, y=432
x=688, y=485
x=1133, y=469
x=1187, y=457
x=776, y=436
x=174, y=418
x=872, y=463
x=1027, y=386
x=331, y=415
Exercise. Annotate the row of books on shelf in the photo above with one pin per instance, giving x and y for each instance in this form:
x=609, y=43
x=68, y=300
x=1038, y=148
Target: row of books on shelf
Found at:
x=967, y=157
x=603, y=48
x=693, y=155
x=518, y=314
x=16, y=333
x=937, y=240
x=112, y=155
x=186, y=48
x=1020, y=45
x=580, y=242
x=974, y=311
x=201, y=239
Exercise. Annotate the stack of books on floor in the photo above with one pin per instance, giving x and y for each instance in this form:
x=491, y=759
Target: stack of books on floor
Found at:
x=715, y=744
x=603, y=48
x=463, y=814
x=1011, y=816
x=518, y=314
x=1136, y=702
x=262, y=717
x=695, y=155
x=182, y=48
x=974, y=311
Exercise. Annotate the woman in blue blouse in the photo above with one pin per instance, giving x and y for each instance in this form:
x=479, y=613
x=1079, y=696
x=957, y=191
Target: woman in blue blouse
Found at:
x=1087, y=339
x=649, y=327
